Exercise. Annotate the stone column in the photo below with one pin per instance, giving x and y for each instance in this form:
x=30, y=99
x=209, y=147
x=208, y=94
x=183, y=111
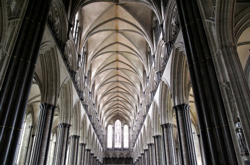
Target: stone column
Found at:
x=74, y=142
x=43, y=131
x=62, y=144
x=142, y=159
x=95, y=160
x=28, y=144
x=113, y=141
x=91, y=160
x=30, y=150
x=201, y=149
x=81, y=154
x=87, y=155
x=139, y=160
x=146, y=156
x=158, y=149
x=186, y=143
x=169, y=144
x=151, y=154
x=17, y=82
x=122, y=138
x=213, y=122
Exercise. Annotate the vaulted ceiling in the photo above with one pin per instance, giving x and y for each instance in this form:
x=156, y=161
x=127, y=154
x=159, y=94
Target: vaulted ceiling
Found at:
x=117, y=38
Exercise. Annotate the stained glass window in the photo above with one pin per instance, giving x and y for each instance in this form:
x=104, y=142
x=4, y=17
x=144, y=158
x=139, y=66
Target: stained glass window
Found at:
x=126, y=136
x=109, y=138
x=118, y=143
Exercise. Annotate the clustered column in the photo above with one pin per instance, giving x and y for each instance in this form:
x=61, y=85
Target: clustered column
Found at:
x=169, y=144
x=158, y=151
x=81, y=154
x=62, y=143
x=186, y=143
x=142, y=158
x=214, y=128
x=17, y=82
x=43, y=131
x=74, y=142
x=146, y=156
x=151, y=154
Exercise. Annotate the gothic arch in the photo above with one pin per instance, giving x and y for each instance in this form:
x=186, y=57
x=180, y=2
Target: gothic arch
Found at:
x=57, y=20
x=171, y=22
x=159, y=56
x=150, y=130
x=83, y=130
x=89, y=137
x=165, y=104
x=75, y=119
x=66, y=101
x=179, y=75
x=70, y=55
x=242, y=22
x=230, y=73
x=50, y=76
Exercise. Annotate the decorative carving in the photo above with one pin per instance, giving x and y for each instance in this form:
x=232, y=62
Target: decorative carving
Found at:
x=79, y=61
x=238, y=129
x=53, y=19
x=67, y=56
x=77, y=79
x=241, y=138
x=229, y=92
x=175, y=22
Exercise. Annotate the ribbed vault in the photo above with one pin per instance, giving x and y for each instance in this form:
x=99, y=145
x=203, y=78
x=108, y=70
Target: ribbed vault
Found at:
x=117, y=38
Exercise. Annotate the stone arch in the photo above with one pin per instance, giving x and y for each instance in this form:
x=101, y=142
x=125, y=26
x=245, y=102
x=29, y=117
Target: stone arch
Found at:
x=141, y=143
x=50, y=76
x=92, y=142
x=83, y=130
x=235, y=90
x=242, y=22
x=75, y=119
x=57, y=20
x=66, y=101
x=89, y=138
x=171, y=22
x=70, y=55
x=144, y=135
x=149, y=130
x=156, y=120
x=160, y=55
x=165, y=104
x=179, y=75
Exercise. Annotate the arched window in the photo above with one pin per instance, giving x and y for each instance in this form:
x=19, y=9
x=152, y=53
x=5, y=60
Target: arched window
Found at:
x=126, y=137
x=109, y=136
x=118, y=143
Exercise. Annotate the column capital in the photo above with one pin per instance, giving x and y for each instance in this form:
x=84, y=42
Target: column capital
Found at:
x=151, y=144
x=83, y=144
x=167, y=125
x=75, y=136
x=145, y=150
x=47, y=106
x=88, y=150
x=63, y=125
x=157, y=136
x=181, y=107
